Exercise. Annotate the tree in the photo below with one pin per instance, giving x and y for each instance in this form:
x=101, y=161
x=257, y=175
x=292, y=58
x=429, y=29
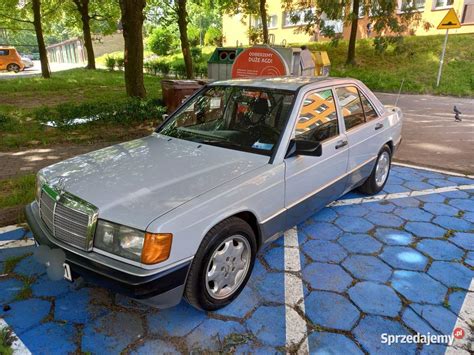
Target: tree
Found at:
x=160, y=40
x=353, y=36
x=263, y=18
x=29, y=14
x=183, y=35
x=132, y=24
x=83, y=8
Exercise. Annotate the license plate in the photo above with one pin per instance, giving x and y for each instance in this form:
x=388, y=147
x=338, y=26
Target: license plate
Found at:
x=67, y=272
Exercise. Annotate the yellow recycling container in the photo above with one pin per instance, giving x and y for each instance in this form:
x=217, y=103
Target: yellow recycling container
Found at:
x=322, y=63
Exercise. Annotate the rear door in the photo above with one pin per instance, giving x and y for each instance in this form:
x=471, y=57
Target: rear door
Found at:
x=3, y=58
x=312, y=182
x=363, y=128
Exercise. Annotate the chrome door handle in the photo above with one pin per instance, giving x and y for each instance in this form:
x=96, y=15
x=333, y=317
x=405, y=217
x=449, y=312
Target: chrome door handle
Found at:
x=378, y=126
x=341, y=144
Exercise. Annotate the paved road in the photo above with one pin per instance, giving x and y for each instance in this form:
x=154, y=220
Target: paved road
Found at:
x=401, y=263
x=36, y=70
x=431, y=137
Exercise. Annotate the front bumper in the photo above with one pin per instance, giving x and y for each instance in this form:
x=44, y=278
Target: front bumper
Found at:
x=168, y=283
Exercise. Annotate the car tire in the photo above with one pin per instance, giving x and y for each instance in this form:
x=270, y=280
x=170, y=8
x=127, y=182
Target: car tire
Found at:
x=218, y=274
x=13, y=67
x=379, y=176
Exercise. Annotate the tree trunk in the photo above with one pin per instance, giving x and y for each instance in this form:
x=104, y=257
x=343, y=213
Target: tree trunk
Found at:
x=132, y=24
x=263, y=16
x=183, y=35
x=83, y=8
x=353, y=37
x=39, y=38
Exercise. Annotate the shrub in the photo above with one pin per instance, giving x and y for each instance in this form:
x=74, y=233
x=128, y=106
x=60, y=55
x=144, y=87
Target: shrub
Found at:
x=120, y=61
x=194, y=34
x=161, y=40
x=200, y=69
x=213, y=37
x=196, y=53
x=163, y=67
x=110, y=62
x=6, y=122
x=179, y=67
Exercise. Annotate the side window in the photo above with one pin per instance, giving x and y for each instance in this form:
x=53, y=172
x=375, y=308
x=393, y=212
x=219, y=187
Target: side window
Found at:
x=317, y=119
x=370, y=113
x=351, y=106
x=4, y=52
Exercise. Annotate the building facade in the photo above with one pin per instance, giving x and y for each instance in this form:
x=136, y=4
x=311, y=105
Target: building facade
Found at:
x=283, y=30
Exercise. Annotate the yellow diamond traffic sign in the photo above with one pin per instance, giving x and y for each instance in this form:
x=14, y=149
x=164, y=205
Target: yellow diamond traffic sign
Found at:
x=449, y=21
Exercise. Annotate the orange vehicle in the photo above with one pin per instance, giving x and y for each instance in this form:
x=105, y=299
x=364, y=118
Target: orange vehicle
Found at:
x=10, y=59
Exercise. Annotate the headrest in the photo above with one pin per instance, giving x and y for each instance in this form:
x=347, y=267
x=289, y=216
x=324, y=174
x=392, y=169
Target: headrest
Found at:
x=260, y=106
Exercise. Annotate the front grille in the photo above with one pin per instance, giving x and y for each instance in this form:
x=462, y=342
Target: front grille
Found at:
x=68, y=218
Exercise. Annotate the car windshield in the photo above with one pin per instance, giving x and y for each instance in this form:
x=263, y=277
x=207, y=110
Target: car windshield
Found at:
x=241, y=118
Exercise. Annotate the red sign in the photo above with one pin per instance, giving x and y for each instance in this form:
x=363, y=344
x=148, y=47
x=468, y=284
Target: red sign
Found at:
x=258, y=61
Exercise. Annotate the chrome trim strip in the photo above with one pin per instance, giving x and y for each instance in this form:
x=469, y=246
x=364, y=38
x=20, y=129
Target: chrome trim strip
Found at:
x=317, y=190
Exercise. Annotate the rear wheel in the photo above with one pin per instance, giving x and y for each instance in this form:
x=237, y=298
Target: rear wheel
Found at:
x=13, y=67
x=379, y=176
x=222, y=265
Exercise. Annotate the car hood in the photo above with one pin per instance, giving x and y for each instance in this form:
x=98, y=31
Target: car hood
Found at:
x=135, y=182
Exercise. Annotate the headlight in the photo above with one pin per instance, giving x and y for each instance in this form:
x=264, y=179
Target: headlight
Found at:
x=40, y=181
x=133, y=244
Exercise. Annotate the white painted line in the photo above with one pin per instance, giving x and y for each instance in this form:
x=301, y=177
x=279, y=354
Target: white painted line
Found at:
x=393, y=196
x=466, y=314
x=17, y=346
x=9, y=228
x=447, y=172
x=296, y=329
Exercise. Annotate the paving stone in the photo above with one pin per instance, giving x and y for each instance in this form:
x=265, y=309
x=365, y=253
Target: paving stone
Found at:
x=374, y=298
x=456, y=300
x=112, y=333
x=464, y=204
x=359, y=243
x=460, y=180
x=469, y=216
x=353, y=224
x=425, y=229
x=324, y=251
x=440, y=182
x=30, y=267
x=404, y=258
x=464, y=240
x=212, y=336
x=454, y=223
x=434, y=349
x=415, y=322
x=368, y=268
x=13, y=252
x=438, y=317
x=267, y=323
x=451, y=274
x=394, y=180
x=275, y=258
x=418, y=287
x=151, y=347
x=325, y=215
x=455, y=194
x=45, y=287
x=324, y=343
x=395, y=188
x=369, y=334
x=51, y=338
x=440, y=249
x=385, y=219
x=243, y=304
x=331, y=310
x=253, y=348
x=177, y=321
x=381, y=206
x=77, y=307
x=9, y=289
x=352, y=210
x=406, y=202
x=14, y=234
x=322, y=231
x=272, y=287
x=418, y=185
x=327, y=277
x=393, y=236
x=26, y=314
x=470, y=259
x=414, y=214
x=441, y=209
x=431, y=198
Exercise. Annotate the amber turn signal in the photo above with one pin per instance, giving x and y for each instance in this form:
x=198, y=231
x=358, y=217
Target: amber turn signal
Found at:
x=156, y=247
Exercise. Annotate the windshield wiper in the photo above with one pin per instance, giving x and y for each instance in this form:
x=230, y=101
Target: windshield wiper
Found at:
x=220, y=143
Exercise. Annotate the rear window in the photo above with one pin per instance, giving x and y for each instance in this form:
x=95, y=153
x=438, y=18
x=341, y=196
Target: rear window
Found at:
x=4, y=52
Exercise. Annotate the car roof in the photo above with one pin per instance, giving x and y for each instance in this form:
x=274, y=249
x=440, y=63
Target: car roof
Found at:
x=291, y=83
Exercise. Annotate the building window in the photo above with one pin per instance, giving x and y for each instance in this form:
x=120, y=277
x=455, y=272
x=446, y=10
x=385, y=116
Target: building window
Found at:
x=415, y=4
x=442, y=4
x=273, y=21
x=296, y=18
x=468, y=12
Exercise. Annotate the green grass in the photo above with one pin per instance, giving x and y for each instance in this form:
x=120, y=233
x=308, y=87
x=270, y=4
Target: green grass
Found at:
x=17, y=191
x=416, y=60
x=6, y=340
x=11, y=263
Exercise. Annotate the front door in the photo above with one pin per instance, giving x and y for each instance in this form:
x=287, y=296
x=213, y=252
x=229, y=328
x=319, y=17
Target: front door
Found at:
x=313, y=182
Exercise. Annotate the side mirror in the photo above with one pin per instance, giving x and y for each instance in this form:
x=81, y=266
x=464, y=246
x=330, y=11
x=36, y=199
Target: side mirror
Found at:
x=303, y=147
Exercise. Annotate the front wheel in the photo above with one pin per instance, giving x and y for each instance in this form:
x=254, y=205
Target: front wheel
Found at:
x=222, y=265
x=13, y=67
x=379, y=176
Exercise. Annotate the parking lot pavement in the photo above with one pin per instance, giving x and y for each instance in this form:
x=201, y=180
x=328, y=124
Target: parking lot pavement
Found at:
x=399, y=263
